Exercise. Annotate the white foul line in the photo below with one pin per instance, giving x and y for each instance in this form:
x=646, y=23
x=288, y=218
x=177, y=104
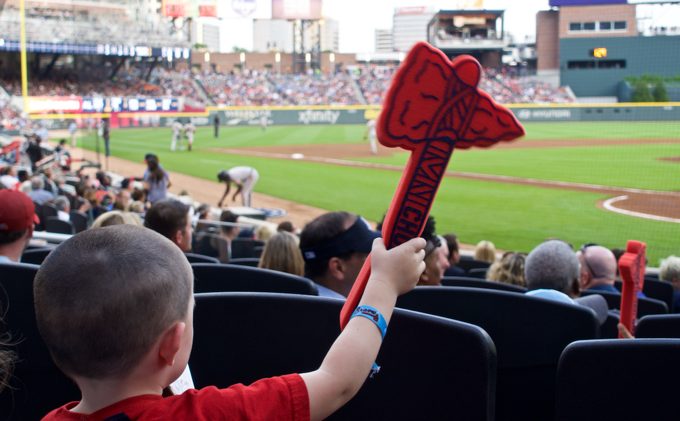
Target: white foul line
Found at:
x=609, y=205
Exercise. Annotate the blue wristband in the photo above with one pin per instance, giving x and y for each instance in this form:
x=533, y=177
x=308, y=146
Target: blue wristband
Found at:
x=372, y=314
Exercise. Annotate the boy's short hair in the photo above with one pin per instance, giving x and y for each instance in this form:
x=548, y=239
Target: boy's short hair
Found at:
x=167, y=216
x=104, y=296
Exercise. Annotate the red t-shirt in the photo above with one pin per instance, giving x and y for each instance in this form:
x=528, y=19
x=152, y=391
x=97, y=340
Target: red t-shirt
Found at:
x=275, y=398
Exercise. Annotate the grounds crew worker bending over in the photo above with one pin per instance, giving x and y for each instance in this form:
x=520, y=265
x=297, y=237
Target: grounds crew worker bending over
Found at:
x=244, y=178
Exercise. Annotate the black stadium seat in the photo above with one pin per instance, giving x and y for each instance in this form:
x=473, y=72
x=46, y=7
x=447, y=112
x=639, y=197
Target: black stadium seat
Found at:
x=54, y=224
x=618, y=380
x=460, y=281
x=467, y=263
x=246, y=247
x=79, y=220
x=659, y=326
x=654, y=288
x=37, y=386
x=529, y=332
x=646, y=306
x=35, y=256
x=246, y=261
x=199, y=258
x=210, y=277
x=431, y=368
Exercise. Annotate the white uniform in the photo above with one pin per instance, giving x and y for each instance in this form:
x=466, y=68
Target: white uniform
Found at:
x=176, y=129
x=72, y=129
x=372, y=136
x=189, y=130
x=246, y=177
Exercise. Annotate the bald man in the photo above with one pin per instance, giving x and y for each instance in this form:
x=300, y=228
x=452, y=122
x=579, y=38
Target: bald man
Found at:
x=598, y=269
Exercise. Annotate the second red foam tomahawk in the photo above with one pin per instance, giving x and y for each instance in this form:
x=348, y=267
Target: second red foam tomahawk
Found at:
x=432, y=107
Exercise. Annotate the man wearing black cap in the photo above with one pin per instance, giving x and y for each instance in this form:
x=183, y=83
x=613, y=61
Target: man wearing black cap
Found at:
x=17, y=216
x=335, y=246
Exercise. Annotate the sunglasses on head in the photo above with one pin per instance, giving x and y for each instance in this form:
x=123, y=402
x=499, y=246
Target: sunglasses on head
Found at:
x=583, y=250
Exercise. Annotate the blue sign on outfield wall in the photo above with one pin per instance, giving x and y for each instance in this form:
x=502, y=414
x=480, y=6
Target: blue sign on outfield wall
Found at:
x=559, y=3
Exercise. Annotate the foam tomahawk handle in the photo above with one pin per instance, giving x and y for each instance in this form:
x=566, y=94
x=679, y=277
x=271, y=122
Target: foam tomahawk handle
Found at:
x=432, y=107
x=632, y=270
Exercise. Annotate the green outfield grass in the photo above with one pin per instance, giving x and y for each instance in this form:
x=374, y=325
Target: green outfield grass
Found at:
x=515, y=217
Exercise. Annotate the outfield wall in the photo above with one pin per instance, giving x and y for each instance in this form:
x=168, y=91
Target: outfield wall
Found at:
x=332, y=115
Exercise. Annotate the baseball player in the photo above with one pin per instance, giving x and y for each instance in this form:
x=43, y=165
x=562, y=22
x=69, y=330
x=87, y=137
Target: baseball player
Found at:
x=372, y=136
x=244, y=178
x=176, y=131
x=189, y=130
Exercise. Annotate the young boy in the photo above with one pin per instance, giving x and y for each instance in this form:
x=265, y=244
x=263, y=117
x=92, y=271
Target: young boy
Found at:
x=114, y=306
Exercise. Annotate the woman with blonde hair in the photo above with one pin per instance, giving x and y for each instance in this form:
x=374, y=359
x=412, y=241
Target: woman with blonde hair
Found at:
x=117, y=217
x=508, y=270
x=485, y=251
x=282, y=253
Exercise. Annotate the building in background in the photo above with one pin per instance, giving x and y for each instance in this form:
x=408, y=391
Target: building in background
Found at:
x=384, y=41
x=594, y=46
x=409, y=25
x=277, y=35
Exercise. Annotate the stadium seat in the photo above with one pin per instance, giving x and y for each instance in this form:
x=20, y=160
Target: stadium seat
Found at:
x=658, y=326
x=43, y=212
x=461, y=281
x=609, y=329
x=246, y=261
x=212, y=245
x=36, y=386
x=645, y=306
x=431, y=368
x=35, y=256
x=654, y=288
x=466, y=263
x=618, y=380
x=478, y=272
x=54, y=224
x=210, y=277
x=79, y=220
x=246, y=247
x=530, y=334
x=199, y=258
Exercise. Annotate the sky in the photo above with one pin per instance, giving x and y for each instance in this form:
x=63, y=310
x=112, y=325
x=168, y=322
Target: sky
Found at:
x=358, y=19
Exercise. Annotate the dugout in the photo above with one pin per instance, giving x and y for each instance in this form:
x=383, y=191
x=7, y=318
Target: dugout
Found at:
x=479, y=33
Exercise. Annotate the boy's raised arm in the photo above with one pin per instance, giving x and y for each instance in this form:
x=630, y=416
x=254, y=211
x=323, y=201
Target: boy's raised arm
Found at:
x=348, y=362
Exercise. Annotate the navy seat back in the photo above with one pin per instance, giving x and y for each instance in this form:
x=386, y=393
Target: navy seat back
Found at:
x=646, y=306
x=246, y=261
x=246, y=247
x=431, y=368
x=658, y=326
x=478, y=272
x=618, y=380
x=529, y=332
x=79, y=220
x=35, y=256
x=200, y=258
x=466, y=264
x=460, y=281
x=54, y=224
x=210, y=277
x=36, y=386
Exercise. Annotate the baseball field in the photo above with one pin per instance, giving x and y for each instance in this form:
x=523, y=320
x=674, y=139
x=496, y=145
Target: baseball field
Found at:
x=595, y=182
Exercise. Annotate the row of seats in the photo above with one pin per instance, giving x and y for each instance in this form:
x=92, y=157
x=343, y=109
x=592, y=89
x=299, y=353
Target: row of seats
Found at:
x=505, y=371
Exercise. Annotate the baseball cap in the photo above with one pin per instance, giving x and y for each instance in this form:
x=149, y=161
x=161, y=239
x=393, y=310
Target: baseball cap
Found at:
x=223, y=175
x=358, y=238
x=595, y=302
x=17, y=211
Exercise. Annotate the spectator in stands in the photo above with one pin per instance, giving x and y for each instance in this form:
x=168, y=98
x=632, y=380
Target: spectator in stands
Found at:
x=282, y=253
x=172, y=219
x=203, y=212
x=123, y=200
x=117, y=217
x=552, y=272
x=670, y=272
x=454, y=256
x=63, y=206
x=7, y=359
x=335, y=246
x=436, y=255
x=553, y=265
x=123, y=355
x=38, y=193
x=598, y=268
x=34, y=150
x=286, y=226
x=156, y=181
x=17, y=216
x=8, y=177
x=485, y=251
x=508, y=270
x=264, y=232
x=228, y=232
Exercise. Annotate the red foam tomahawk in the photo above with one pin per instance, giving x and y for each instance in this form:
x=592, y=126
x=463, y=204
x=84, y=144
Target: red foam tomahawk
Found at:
x=632, y=270
x=432, y=107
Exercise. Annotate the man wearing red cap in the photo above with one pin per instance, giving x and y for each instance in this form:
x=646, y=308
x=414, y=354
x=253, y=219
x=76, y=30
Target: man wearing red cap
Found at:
x=17, y=216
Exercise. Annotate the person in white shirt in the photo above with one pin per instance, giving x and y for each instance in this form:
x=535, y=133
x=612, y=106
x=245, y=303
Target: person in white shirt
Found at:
x=244, y=178
x=72, y=129
x=189, y=130
x=372, y=136
x=176, y=130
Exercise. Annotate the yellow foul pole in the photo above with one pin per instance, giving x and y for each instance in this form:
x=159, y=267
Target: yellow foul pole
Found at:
x=22, y=49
